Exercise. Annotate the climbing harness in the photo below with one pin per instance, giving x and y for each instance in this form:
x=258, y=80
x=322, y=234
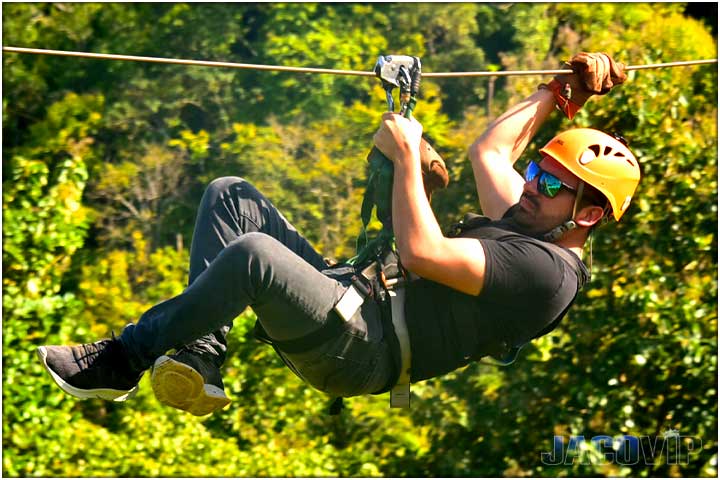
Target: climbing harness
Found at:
x=403, y=72
x=394, y=71
x=377, y=258
x=384, y=280
x=376, y=270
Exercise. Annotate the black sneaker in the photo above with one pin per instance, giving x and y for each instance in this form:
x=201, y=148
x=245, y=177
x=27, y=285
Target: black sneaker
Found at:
x=92, y=370
x=189, y=381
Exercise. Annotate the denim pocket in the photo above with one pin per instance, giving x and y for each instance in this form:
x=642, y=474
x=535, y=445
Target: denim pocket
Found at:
x=344, y=369
x=353, y=362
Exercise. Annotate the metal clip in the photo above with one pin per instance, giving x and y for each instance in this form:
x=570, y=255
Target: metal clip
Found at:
x=400, y=396
x=400, y=71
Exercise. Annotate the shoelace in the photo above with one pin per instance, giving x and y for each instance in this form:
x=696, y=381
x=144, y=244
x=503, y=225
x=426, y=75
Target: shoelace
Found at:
x=191, y=349
x=95, y=349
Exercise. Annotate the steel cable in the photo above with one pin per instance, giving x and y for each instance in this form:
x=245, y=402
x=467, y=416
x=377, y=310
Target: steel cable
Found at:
x=281, y=68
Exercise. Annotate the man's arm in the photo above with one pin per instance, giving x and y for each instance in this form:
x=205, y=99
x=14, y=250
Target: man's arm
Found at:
x=494, y=153
x=456, y=262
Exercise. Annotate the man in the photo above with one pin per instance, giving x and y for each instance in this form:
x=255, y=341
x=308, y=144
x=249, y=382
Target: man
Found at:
x=503, y=280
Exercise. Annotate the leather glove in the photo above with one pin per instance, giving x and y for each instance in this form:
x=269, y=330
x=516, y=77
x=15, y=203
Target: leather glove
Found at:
x=594, y=74
x=598, y=71
x=434, y=171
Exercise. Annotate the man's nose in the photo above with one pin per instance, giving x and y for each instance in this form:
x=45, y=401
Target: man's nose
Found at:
x=530, y=186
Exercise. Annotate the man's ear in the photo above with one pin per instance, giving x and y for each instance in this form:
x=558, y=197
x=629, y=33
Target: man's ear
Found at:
x=589, y=216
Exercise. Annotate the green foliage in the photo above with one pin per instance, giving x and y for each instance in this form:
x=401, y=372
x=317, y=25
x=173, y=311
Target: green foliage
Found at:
x=139, y=194
x=105, y=162
x=44, y=225
x=118, y=287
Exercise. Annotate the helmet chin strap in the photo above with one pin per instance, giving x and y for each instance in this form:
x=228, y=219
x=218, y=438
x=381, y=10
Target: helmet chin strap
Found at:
x=556, y=233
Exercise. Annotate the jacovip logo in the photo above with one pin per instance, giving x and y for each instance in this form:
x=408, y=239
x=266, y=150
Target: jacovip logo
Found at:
x=670, y=448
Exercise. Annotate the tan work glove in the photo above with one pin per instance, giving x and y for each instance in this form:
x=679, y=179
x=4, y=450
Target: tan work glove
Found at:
x=594, y=74
x=598, y=71
x=434, y=172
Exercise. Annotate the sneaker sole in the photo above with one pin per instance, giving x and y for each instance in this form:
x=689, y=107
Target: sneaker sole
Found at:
x=180, y=386
x=102, y=393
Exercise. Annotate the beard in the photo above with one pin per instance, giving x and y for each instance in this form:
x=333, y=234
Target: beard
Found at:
x=526, y=218
x=522, y=217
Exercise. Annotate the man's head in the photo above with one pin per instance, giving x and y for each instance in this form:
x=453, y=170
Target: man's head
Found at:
x=583, y=175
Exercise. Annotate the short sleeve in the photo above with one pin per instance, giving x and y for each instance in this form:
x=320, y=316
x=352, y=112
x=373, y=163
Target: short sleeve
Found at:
x=520, y=268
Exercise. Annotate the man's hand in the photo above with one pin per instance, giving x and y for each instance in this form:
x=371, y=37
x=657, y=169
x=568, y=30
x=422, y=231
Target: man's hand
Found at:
x=399, y=138
x=594, y=74
x=456, y=262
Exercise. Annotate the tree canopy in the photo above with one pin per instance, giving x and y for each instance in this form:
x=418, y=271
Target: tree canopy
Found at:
x=104, y=163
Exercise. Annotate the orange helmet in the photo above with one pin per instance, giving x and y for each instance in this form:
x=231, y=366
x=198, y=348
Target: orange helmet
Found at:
x=599, y=160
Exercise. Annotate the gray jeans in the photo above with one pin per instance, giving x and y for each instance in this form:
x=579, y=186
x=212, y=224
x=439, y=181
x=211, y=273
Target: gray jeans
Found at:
x=245, y=253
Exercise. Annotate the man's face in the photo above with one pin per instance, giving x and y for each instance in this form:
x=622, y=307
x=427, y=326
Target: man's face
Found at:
x=538, y=213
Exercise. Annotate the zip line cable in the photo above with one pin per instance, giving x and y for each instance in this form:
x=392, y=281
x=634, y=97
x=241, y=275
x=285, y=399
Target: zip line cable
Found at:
x=250, y=66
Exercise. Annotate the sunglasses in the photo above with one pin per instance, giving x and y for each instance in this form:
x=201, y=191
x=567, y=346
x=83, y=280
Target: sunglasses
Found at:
x=548, y=184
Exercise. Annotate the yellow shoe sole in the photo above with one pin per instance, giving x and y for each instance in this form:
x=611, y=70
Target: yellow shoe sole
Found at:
x=180, y=386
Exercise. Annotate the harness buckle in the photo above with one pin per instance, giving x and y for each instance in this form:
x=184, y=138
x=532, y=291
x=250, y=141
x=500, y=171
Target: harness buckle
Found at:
x=391, y=283
x=349, y=303
x=400, y=396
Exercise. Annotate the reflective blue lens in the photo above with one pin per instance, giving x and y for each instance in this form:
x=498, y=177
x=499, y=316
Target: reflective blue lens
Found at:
x=548, y=184
x=531, y=171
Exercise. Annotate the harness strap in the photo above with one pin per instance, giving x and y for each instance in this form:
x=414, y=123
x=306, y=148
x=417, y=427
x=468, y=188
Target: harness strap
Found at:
x=388, y=273
x=348, y=305
x=400, y=393
x=386, y=278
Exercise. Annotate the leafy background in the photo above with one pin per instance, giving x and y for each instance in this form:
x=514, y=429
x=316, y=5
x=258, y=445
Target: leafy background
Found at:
x=104, y=164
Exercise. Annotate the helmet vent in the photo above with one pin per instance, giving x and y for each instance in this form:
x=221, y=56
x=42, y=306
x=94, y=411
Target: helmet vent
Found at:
x=607, y=151
x=595, y=148
x=588, y=156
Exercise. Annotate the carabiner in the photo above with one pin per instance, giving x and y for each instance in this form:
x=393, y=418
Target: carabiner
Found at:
x=400, y=71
